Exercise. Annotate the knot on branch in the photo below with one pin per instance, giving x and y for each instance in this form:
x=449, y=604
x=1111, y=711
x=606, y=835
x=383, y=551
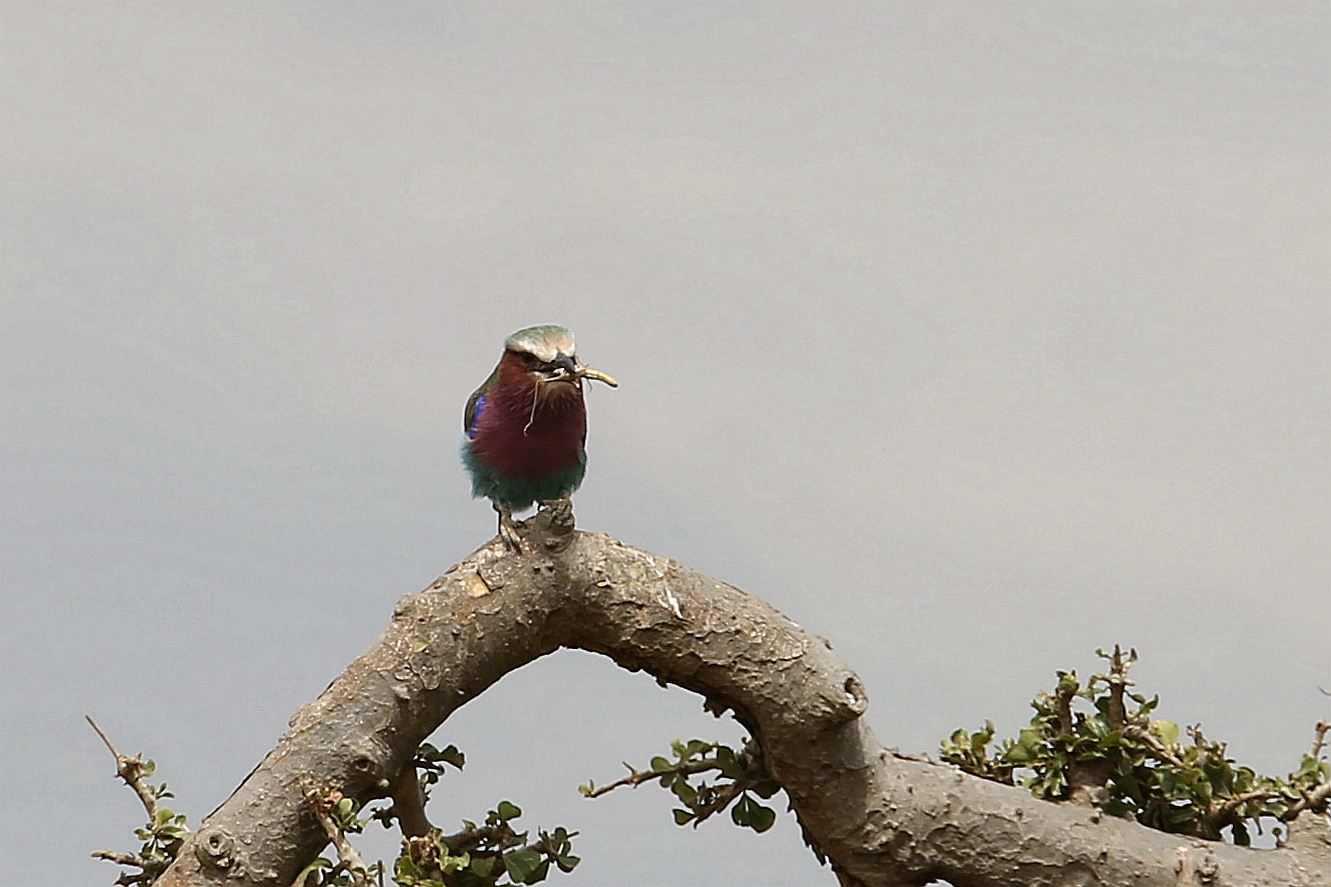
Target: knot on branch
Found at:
x=216, y=849
x=366, y=763
x=841, y=696
x=854, y=700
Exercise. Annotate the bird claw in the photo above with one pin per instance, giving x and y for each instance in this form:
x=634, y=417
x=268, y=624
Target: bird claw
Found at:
x=508, y=529
x=561, y=509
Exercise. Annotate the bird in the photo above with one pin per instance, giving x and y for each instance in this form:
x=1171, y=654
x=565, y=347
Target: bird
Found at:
x=525, y=427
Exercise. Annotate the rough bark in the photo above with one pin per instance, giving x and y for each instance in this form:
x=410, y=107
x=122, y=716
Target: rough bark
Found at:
x=880, y=818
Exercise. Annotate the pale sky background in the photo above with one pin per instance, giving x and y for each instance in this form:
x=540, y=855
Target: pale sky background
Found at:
x=972, y=336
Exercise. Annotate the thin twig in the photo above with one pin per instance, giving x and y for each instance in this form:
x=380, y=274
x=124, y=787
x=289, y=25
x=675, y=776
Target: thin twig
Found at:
x=1144, y=735
x=638, y=777
x=1312, y=800
x=121, y=858
x=1063, y=706
x=722, y=800
x=1319, y=739
x=1118, y=684
x=130, y=769
x=345, y=850
x=470, y=839
x=1220, y=815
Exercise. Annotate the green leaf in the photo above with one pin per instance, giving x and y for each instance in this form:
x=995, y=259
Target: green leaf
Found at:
x=697, y=746
x=981, y=738
x=507, y=810
x=730, y=767
x=522, y=864
x=659, y=763
x=1026, y=749
x=761, y=817
x=450, y=864
x=739, y=814
x=452, y=755
x=685, y=792
x=1307, y=767
x=1166, y=732
x=682, y=817
x=318, y=864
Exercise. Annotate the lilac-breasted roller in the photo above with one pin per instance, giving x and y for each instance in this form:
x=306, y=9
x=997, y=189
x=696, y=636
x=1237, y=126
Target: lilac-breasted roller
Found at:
x=527, y=424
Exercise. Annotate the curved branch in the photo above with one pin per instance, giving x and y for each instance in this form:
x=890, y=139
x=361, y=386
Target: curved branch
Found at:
x=879, y=818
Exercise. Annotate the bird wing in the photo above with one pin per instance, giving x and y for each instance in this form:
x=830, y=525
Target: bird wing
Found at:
x=476, y=404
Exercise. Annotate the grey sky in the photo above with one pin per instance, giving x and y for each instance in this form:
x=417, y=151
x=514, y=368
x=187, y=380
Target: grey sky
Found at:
x=973, y=336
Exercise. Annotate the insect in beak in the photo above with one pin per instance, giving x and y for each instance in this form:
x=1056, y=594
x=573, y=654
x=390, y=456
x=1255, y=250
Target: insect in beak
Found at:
x=583, y=372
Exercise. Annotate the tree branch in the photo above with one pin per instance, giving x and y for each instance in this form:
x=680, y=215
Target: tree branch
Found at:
x=132, y=770
x=1319, y=738
x=1313, y=799
x=881, y=819
x=409, y=804
x=637, y=777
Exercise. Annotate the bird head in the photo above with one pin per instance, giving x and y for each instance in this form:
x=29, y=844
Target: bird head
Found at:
x=548, y=355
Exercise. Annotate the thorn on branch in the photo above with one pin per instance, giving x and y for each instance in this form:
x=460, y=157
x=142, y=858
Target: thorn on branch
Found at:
x=638, y=777
x=132, y=770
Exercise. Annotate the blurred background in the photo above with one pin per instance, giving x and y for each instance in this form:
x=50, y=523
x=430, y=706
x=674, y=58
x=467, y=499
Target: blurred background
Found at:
x=1008, y=320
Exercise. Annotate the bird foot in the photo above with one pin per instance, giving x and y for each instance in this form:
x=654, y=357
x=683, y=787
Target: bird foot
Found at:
x=561, y=509
x=555, y=523
x=508, y=529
